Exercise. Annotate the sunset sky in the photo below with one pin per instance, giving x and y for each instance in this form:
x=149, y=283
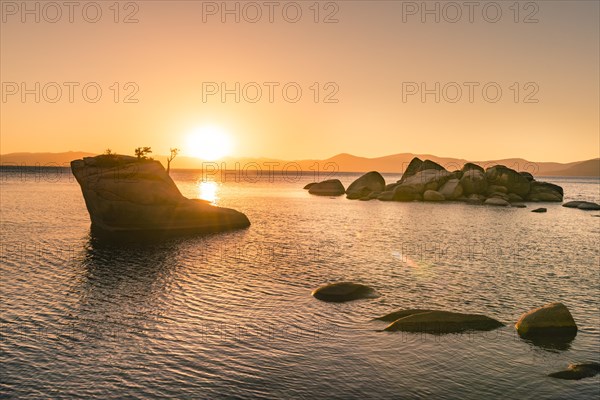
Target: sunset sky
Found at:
x=372, y=57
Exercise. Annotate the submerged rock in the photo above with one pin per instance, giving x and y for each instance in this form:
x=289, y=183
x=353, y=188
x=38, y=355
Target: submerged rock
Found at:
x=578, y=371
x=573, y=204
x=439, y=322
x=331, y=187
x=363, y=186
x=551, y=320
x=582, y=205
x=589, y=206
x=125, y=194
x=344, y=291
x=391, y=317
x=539, y=210
x=309, y=185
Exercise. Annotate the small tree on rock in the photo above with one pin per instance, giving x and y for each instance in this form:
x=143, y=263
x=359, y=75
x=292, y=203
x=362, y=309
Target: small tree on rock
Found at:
x=142, y=152
x=174, y=153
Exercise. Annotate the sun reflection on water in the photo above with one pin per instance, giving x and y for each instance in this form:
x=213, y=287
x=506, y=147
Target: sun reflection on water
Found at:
x=208, y=191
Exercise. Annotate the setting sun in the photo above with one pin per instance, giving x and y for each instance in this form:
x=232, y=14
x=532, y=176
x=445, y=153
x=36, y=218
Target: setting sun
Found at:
x=208, y=143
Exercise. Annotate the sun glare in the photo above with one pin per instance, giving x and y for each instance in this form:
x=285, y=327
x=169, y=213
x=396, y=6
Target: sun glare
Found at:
x=209, y=143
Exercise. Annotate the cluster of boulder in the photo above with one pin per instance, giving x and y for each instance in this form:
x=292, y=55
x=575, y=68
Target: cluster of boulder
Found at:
x=429, y=181
x=551, y=323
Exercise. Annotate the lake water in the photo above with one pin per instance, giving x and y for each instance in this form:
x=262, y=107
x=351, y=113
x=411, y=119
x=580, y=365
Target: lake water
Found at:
x=231, y=315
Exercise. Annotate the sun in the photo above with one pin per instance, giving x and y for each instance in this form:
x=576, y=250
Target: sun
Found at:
x=209, y=143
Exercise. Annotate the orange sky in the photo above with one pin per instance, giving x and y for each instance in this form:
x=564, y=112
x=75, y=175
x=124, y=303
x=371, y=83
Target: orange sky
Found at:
x=373, y=55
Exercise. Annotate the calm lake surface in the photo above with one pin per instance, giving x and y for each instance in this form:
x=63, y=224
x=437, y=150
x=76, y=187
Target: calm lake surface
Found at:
x=231, y=315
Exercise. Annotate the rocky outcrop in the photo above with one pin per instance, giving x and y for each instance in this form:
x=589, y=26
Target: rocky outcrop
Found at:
x=439, y=322
x=429, y=181
x=551, y=320
x=344, y=291
x=365, y=185
x=331, y=187
x=124, y=194
x=578, y=371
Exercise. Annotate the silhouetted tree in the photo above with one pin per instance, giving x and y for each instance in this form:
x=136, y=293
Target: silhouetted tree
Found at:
x=174, y=153
x=142, y=152
x=108, y=152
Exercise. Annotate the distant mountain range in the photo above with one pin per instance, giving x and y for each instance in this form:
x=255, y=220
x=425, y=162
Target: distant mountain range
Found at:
x=395, y=163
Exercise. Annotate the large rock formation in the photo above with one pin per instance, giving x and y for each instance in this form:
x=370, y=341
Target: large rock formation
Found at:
x=439, y=322
x=330, y=187
x=344, y=291
x=551, y=320
x=125, y=194
x=365, y=185
x=429, y=181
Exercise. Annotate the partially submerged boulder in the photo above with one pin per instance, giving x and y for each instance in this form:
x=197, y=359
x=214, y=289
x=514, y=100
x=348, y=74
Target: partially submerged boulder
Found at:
x=544, y=191
x=496, y=201
x=540, y=210
x=126, y=194
x=582, y=205
x=439, y=322
x=365, y=185
x=344, y=291
x=309, y=185
x=432, y=195
x=330, y=187
x=551, y=320
x=578, y=371
x=405, y=193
